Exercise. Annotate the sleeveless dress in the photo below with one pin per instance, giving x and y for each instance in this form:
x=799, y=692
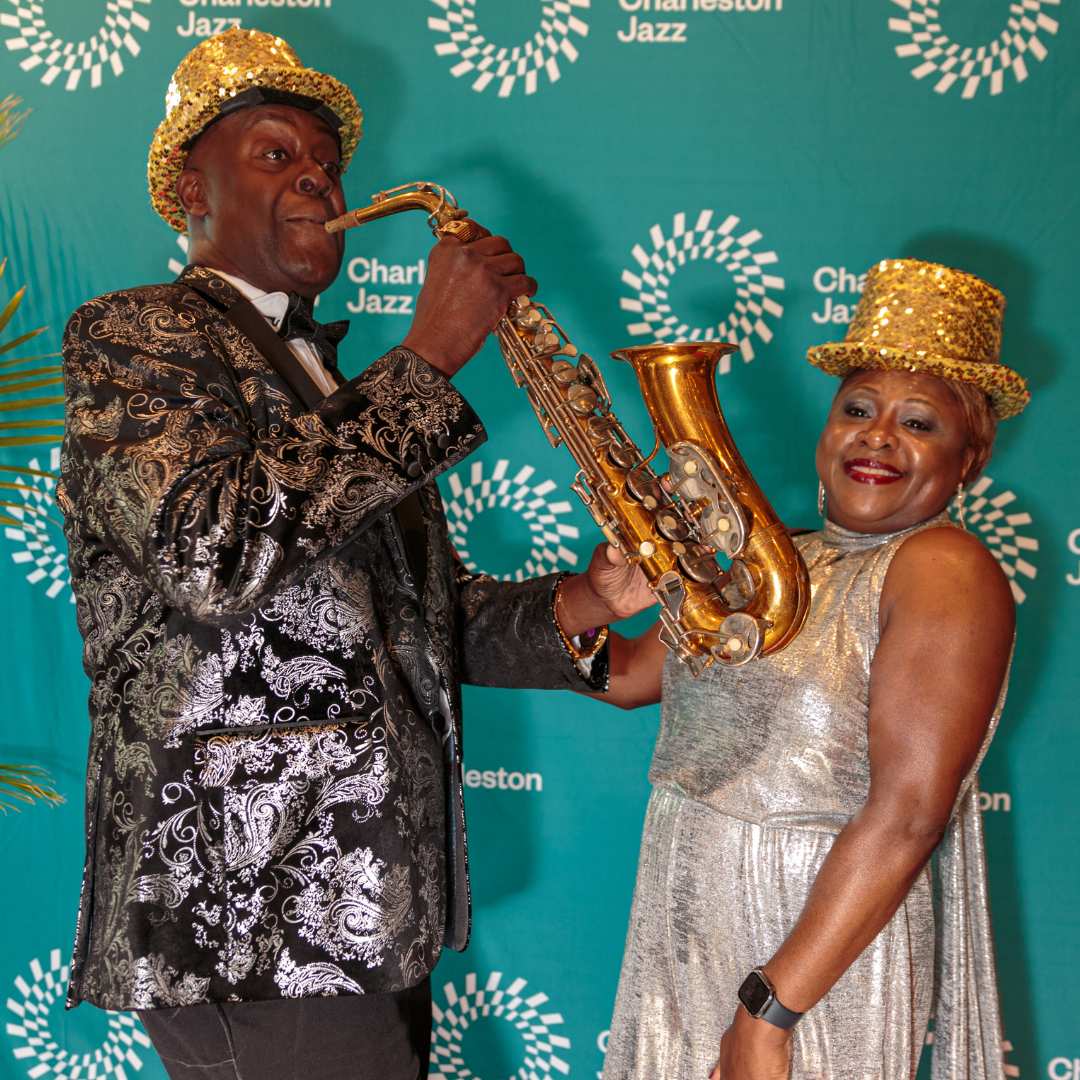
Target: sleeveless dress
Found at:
x=755, y=772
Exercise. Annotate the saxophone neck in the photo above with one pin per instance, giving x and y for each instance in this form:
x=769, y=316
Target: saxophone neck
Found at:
x=439, y=204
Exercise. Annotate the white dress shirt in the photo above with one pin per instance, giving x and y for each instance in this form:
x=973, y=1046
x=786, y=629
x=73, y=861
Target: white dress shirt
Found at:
x=272, y=306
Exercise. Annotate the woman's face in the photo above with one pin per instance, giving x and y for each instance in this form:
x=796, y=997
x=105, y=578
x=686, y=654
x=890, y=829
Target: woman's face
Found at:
x=894, y=449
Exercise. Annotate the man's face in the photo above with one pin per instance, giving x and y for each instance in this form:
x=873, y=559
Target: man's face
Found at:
x=257, y=188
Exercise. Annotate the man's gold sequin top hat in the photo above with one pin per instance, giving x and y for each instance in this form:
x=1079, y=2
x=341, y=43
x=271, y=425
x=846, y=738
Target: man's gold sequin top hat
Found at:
x=214, y=73
x=919, y=316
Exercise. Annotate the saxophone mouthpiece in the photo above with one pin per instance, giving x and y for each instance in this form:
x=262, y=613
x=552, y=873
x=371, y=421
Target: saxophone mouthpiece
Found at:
x=340, y=224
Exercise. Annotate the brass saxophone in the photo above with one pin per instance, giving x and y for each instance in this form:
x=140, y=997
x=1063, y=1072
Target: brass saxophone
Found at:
x=673, y=526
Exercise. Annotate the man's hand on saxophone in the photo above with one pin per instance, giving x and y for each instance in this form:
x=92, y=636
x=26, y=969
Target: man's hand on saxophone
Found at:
x=468, y=288
x=610, y=589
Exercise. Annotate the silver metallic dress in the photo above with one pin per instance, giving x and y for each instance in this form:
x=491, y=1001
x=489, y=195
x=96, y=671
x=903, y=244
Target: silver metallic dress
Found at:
x=756, y=771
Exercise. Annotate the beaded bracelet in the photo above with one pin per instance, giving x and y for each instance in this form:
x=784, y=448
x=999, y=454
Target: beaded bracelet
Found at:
x=592, y=640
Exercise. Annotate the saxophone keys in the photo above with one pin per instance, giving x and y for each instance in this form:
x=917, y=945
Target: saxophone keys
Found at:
x=741, y=639
x=643, y=486
x=564, y=373
x=699, y=564
x=582, y=399
x=741, y=586
x=716, y=522
x=622, y=456
x=672, y=526
x=570, y=350
x=601, y=430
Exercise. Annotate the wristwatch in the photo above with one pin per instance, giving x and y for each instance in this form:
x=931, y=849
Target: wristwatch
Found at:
x=759, y=998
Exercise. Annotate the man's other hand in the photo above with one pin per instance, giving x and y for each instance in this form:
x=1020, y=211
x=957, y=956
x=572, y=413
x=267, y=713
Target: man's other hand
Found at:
x=611, y=589
x=620, y=585
x=467, y=290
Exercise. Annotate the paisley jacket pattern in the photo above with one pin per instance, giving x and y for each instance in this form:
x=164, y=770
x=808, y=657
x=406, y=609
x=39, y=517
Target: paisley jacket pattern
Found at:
x=273, y=801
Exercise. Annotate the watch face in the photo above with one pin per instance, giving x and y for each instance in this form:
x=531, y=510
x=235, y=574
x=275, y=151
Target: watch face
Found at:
x=754, y=993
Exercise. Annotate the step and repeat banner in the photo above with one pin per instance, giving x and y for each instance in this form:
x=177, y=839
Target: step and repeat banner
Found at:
x=674, y=168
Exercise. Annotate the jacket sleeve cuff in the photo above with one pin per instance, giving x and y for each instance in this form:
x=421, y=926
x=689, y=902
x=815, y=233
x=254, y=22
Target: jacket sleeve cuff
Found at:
x=510, y=638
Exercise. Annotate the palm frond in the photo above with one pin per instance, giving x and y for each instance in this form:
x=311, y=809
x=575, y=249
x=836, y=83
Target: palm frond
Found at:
x=10, y=118
x=22, y=374
x=20, y=485
x=25, y=784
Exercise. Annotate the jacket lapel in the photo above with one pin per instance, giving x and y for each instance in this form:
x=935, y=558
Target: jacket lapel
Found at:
x=250, y=322
x=408, y=514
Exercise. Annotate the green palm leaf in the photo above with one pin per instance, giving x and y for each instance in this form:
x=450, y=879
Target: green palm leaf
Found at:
x=21, y=784
x=25, y=784
x=22, y=374
x=10, y=118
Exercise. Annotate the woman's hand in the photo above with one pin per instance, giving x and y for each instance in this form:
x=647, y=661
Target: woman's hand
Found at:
x=753, y=1050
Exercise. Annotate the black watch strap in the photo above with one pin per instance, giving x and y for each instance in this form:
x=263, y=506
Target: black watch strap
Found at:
x=759, y=999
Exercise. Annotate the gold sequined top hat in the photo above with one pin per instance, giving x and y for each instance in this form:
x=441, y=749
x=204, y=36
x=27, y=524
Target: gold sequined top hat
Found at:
x=919, y=316
x=215, y=73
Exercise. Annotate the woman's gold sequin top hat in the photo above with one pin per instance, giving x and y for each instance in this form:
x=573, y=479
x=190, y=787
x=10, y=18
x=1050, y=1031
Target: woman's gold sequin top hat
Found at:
x=216, y=72
x=919, y=316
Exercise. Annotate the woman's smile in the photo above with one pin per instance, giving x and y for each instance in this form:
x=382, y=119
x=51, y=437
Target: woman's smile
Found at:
x=870, y=471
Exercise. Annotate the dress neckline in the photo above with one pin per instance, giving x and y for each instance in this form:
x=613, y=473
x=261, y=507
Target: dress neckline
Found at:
x=836, y=536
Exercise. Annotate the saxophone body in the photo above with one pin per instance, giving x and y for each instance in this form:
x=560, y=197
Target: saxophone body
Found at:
x=672, y=525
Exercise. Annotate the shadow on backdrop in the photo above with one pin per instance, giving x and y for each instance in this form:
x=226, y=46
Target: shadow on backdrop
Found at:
x=1033, y=354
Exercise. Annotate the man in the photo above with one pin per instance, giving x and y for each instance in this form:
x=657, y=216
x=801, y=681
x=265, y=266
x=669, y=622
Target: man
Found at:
x=275, y=626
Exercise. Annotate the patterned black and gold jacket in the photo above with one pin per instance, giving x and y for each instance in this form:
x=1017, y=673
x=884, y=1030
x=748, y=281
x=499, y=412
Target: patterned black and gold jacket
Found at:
x=274, y=779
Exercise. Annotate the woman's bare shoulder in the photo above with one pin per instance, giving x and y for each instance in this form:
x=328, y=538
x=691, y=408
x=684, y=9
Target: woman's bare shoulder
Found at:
x=951, y=572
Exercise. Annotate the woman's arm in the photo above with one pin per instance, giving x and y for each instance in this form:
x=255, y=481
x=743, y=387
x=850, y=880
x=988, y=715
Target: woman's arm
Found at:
x=636, y=669
x=947, y=622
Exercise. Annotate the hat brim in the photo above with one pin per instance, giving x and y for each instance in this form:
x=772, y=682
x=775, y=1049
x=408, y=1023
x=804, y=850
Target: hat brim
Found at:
x=1006, y=389
x=168, y=150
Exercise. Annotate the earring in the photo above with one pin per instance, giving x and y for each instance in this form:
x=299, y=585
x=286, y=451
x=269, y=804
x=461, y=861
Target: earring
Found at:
x=821, y=500
x=958, y=506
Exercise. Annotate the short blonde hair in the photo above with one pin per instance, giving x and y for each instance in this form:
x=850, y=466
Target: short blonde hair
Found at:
x=981, y=421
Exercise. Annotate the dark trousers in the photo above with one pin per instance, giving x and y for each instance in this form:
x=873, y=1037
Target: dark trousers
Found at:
x=364, y=1037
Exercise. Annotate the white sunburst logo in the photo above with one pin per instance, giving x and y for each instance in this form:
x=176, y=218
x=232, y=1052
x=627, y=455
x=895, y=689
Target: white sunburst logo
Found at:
x=517, y=67
x=72, y=62
x=1001, y=527
x=177, y=263
x=35, y=997
x=731, y=246
x=970, y=67
x=517, y=493
x=541, y=1045
x=39, y=543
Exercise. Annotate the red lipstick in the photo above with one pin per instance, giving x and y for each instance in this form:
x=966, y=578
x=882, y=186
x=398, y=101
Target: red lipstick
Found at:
x=869, y=471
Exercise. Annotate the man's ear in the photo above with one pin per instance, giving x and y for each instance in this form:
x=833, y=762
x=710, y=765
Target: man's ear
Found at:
x=191, y=191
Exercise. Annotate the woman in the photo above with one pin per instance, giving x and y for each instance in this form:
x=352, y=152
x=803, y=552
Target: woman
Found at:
x=797, y=800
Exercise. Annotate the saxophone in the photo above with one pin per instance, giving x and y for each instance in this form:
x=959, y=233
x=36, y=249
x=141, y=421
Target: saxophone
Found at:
x=672, y=525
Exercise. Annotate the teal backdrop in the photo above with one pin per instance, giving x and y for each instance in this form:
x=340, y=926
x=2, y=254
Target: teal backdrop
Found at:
x=677, y=167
